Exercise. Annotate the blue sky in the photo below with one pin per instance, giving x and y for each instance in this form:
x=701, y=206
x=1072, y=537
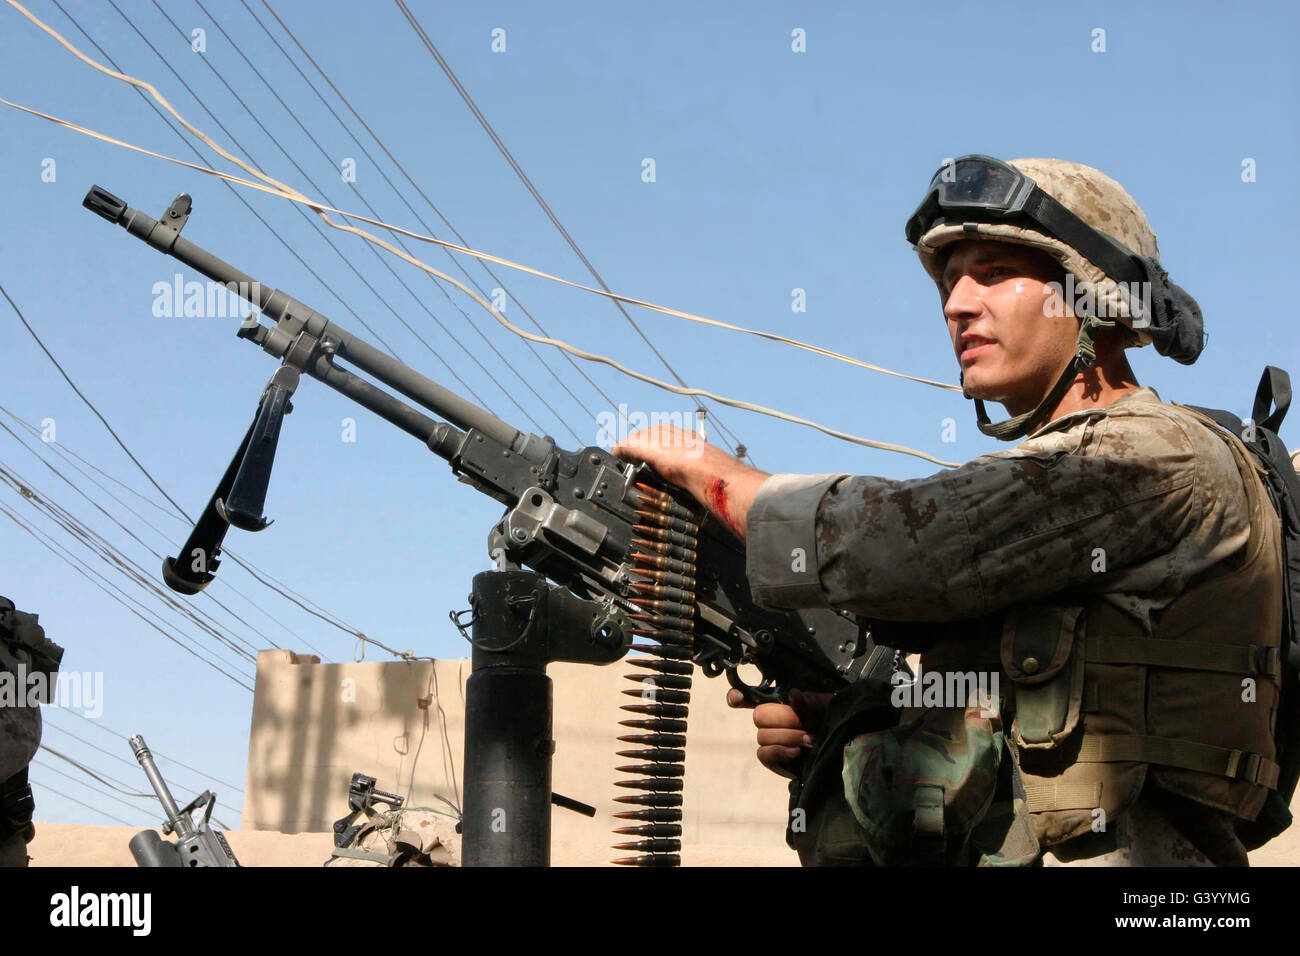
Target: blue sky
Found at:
x=774, y=171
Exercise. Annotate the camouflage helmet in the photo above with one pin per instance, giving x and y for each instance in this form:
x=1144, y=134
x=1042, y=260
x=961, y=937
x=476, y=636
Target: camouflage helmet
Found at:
x=1091, y=195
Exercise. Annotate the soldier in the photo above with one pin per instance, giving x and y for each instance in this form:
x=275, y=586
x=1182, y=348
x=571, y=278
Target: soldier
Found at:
x=1118, y=571
x=24, y=650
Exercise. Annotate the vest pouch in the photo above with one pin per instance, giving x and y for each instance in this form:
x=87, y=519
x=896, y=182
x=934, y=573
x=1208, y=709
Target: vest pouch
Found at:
x=821, y=826
x=1042, y=653
x=920, y=790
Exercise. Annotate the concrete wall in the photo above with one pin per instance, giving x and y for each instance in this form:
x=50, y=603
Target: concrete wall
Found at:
x=403, y=723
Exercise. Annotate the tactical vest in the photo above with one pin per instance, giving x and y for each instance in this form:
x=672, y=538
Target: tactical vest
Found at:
x=1094, y=704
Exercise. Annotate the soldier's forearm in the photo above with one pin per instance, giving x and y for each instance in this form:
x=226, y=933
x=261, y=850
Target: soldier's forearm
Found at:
x=728, y=488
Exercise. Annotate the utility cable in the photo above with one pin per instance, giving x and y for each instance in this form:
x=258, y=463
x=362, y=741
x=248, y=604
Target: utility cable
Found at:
x=62, y=477
x=277, y=188
x=99, y=792
x=402, y=169
x=67, y=455
x=287, y=192
x=263, y=578
x=680, y=390
x=158, y=754
x=108, y=554
x=71, y=562
x=352, y=266
x=90, y=773
x=545, y=206
x=59, y=793
x=106, y=551
x=134, y=765
x=383, y=261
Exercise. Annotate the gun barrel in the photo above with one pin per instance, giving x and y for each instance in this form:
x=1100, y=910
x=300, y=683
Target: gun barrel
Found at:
x=182, y=825
x=165, y=237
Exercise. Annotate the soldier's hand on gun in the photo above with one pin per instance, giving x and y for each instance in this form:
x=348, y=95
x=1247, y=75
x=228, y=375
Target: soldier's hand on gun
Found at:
x=678, y=454
x=785, y=731
x=723, y=484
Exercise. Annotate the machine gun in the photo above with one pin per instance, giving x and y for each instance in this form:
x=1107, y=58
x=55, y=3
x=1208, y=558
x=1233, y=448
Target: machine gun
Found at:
x=196, y=844
x=631, y=554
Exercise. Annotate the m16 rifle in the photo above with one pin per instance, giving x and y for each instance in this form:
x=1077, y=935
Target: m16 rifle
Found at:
x=631, y=555
x=197, y=844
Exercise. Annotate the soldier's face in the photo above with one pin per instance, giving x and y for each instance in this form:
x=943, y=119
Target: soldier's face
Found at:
x=1010, y=346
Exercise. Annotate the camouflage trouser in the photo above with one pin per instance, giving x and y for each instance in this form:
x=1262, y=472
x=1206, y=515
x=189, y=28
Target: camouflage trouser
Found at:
x=20, y=735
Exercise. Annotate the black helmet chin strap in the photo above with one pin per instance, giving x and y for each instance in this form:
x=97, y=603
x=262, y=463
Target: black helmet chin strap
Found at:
x=1085, y=357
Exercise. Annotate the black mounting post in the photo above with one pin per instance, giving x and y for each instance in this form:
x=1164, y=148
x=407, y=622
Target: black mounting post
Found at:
x=521, y=623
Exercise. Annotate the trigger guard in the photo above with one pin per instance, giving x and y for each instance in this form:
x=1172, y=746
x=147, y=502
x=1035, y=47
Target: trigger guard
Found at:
x=766, y=692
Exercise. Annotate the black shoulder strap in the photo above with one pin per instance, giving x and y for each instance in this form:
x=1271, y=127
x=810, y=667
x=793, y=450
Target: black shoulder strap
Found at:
x=1274, y=388
x=1282, y=483
x=1229, y=421
x=1272, y=399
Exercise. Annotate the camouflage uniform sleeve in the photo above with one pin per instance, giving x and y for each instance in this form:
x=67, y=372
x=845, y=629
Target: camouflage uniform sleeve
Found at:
x=1005, y=528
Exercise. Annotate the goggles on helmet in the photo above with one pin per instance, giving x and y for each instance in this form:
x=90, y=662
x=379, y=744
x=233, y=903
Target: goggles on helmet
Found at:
x=977, y=188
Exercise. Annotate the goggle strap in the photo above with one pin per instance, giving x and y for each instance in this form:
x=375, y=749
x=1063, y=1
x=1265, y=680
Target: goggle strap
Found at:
x=1110, y=256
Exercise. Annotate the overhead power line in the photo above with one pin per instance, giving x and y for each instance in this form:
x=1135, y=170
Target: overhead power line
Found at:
x=67, y=456
x=118, y=786
x=100, y=792
x=276, y=141
x=60, y=793
x=263, y=578
x=416, y=186
x=270, y=185
x=545, y=206
x=47, y=724
x=152, y=797
x=157, y=555
x=158, y=754
x=76, y=566
x=356, y=189
x=116, y=560
x=276, y=188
